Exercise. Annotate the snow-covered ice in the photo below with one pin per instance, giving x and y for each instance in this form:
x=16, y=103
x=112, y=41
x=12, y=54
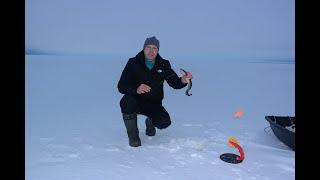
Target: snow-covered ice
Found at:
x=74, y=129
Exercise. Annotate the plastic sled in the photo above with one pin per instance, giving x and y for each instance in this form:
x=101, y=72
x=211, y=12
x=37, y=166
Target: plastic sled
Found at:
x=283, y=128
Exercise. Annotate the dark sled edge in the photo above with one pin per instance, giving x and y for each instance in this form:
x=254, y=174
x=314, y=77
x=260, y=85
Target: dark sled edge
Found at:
x=278, y=124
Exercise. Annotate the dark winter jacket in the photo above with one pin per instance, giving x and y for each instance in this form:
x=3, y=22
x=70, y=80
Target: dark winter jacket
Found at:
x=136, y=73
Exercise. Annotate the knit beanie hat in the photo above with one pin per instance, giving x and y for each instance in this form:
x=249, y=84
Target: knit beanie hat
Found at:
x=151, y=41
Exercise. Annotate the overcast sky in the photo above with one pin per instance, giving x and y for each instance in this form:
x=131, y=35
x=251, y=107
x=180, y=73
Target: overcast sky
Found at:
x=243, y=28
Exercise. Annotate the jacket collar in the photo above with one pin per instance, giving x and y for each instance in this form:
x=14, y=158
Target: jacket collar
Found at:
x=140, y=57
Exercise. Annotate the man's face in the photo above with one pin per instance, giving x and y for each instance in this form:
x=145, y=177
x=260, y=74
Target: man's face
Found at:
x=150, y=52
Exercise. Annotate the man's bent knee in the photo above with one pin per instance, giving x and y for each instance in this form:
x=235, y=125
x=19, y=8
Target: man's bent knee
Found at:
x=164, y=123
x=128, y=104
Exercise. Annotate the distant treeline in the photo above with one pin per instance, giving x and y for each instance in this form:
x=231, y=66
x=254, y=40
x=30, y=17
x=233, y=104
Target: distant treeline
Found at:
x=38, y=52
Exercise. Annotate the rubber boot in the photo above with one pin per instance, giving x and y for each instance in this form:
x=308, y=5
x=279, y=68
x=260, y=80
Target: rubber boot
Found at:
x=130, y=121
x=150, y=129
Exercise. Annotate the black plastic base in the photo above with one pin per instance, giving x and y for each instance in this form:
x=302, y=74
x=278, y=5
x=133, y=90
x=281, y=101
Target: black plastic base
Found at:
x=230, y=158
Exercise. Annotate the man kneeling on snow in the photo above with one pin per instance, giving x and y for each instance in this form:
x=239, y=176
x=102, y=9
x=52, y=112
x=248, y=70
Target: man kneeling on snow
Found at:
x=141, y=82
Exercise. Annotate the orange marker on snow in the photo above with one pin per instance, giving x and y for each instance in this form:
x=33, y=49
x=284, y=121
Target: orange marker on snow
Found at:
x=238, y=114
